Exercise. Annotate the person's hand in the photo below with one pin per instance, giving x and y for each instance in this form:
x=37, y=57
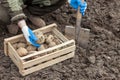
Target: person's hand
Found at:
x=30, y=36
x=78, y=3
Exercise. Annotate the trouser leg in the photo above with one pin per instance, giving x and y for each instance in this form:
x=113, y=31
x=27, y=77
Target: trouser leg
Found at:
x=5, y=20
x=4, y=16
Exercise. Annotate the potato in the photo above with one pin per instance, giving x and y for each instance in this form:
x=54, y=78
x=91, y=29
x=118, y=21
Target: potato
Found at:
x=21, y=45
x=41, y=48
x=41, y=37
x=51, y=44
x=14, y=46
x=45, y=36
x=28, y=44
x=22, y=51
x=31, y=48
x=57, y=41
x=49, y=39
x=22, y=40
x=46, y=46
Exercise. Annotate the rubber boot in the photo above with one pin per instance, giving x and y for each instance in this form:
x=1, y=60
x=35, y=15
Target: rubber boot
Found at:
x=37, y=21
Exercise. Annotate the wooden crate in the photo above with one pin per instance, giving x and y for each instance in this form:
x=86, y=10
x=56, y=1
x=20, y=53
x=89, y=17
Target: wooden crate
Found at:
x=66, y=51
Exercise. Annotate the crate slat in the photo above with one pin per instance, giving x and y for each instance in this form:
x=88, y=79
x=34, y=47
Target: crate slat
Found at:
x=48, y=56
x=14, y=56
x=49, y=63
x=59, y=35
x=5, y=48
x=47, y=28
x=15, y=61
x=12, y=50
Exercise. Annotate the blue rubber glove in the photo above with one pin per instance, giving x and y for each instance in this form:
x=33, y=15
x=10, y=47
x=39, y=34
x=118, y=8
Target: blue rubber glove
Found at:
x=76, y=3
x=30, y=36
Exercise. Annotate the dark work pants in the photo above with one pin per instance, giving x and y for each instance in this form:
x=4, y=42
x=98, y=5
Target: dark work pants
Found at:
x=4, y=16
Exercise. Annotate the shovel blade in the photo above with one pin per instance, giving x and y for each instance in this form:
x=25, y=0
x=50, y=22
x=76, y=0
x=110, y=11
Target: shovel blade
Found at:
x=83, y=38
x=70, y=32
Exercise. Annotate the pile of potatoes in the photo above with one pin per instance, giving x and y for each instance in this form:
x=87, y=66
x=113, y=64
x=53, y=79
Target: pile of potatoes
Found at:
x=23, y=48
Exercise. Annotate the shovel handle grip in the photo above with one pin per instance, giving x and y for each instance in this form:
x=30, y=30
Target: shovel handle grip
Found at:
x=78, y=23
x=79, y=16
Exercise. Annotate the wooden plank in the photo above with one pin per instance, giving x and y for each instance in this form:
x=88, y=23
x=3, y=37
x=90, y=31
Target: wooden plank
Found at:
x=14, y=40
x=15, y=59
x=49, y=63
x=46, y=28
x=16, y=62
x=48, y=56
x=59, y=35
x=49, y=49
x=5, y=48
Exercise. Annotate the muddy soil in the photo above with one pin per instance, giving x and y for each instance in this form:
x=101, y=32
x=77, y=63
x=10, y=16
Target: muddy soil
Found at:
x=100, y=61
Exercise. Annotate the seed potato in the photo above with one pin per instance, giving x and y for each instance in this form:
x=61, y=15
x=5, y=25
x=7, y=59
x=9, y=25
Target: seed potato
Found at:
x=22, y=51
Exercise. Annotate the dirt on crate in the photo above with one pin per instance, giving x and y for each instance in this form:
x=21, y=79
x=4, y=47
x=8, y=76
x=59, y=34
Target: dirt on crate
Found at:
x=101, y=61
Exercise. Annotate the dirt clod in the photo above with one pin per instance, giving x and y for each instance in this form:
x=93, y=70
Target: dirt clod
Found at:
x=92, y=59
x=31, y=48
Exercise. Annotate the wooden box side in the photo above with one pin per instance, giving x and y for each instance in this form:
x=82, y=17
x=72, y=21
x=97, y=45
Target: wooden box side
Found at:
x=47, y=57
x=14, y=56
x=47, y=64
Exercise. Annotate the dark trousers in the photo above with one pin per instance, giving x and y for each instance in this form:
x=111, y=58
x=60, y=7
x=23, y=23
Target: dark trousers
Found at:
x=4, y=16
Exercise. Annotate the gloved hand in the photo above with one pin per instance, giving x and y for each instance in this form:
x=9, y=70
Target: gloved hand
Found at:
x=76, y=3
x=30, y=36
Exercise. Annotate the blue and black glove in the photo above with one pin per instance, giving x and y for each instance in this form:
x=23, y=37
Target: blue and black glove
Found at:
x=78, y=3
x=30, y=36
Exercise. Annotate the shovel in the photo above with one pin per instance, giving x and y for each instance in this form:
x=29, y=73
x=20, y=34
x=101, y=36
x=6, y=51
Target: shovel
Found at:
x=81, y=35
